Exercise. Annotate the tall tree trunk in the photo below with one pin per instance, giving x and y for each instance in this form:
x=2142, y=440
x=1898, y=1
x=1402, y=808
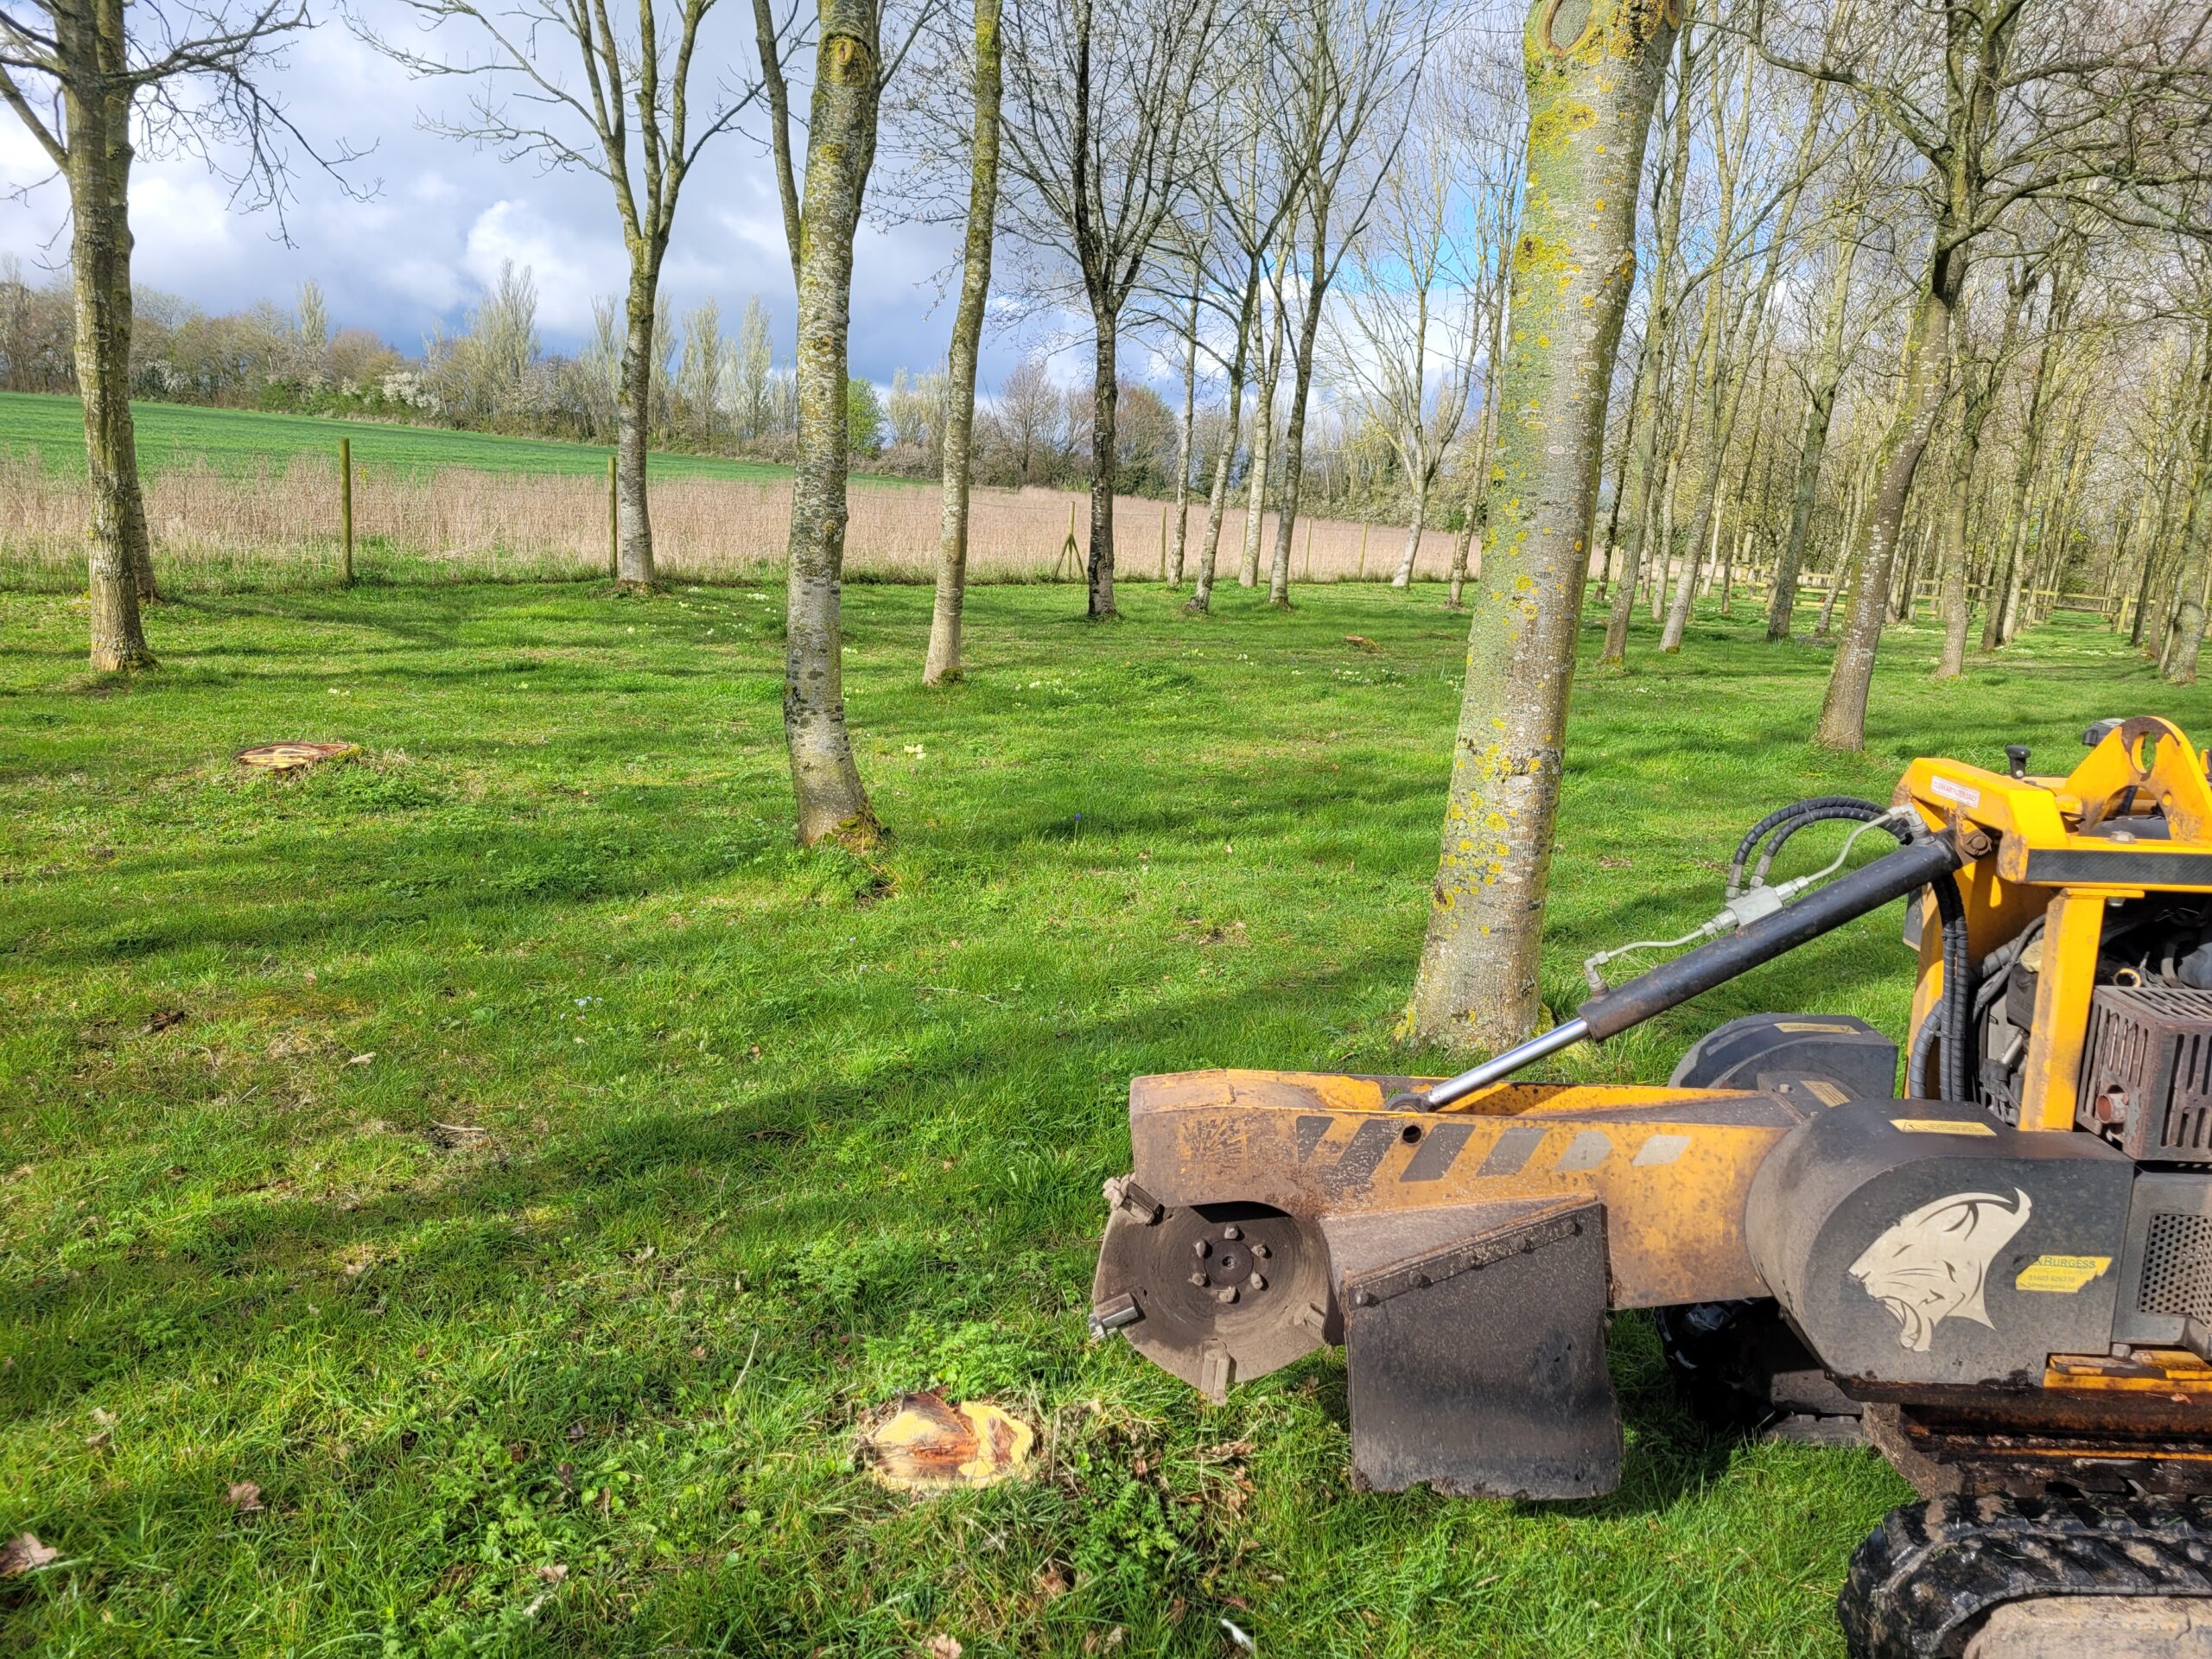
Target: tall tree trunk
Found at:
x=1404, y=576
x=1589, y=116
x=1256, y=485
x=634, y=426
x=1293, y=440
x=1183, y=448
x=1462, y=539
x=1705, y=388
x=1957, y=614
x=1225, y=458
x=1927, y=368
x=1105, y=397
x=943, y=665
x=1610, y=570
x=1645, y=422
x=117, y=562
x=1813, y=441
x=2186, y=631
x=840, y=149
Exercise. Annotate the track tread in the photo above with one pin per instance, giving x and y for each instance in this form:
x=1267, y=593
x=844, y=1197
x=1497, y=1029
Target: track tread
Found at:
x=1924, y=1578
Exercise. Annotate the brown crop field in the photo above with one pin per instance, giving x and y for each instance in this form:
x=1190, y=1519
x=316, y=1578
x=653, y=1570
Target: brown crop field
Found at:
x=277, y=525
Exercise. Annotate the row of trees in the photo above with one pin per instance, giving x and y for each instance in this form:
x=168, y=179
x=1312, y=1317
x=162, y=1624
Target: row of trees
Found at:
x=1919, y=293
x=713, y=391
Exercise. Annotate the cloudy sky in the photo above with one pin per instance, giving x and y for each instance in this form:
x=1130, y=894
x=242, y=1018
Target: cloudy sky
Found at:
x=441, y=216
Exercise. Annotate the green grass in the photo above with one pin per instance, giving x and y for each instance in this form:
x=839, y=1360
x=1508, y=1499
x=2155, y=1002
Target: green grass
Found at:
x=768, y=1136
x=238, y=441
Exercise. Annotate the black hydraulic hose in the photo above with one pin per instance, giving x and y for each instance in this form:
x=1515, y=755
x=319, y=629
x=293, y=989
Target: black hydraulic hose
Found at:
x=1856, y=812
x=1757, y=833
x=1869, y=886
x=1954, y=1018
x=1928, y=858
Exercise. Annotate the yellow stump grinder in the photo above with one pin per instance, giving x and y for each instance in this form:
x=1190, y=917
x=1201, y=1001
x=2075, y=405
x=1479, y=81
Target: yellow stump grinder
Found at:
x=2000, y=1272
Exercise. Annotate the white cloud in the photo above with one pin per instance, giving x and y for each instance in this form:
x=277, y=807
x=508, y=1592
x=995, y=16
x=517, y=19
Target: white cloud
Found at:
x=571, y=270
x=441, y=216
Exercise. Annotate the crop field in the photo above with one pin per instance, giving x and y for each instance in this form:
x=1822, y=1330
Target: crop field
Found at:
x=463, y=1199
x=236, y=441
x=239, y=502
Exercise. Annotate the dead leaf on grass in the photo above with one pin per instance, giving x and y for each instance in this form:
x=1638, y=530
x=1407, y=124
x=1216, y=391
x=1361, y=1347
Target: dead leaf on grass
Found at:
x=1051, y=1582
x=1096, y=1643
x=362, y=1059
x=24, y=1553
x=1361, y=642
x=553, y=1575
x=246, y=1497
x=941, y=1646
x=163, y=1018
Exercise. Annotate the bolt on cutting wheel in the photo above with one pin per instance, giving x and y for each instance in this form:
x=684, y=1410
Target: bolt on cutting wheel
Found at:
x=1214, y=1293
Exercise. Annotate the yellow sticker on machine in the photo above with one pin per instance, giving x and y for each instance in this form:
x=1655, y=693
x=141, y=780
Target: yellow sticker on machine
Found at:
x=1940, y=1125
x=2063, y=1273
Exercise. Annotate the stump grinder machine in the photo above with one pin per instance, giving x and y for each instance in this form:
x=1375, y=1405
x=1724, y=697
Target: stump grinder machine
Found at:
x=1998, y=1270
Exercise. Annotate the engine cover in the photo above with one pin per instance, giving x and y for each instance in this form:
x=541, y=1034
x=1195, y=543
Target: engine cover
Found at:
x=1917, y=1242
x=2146, y=1071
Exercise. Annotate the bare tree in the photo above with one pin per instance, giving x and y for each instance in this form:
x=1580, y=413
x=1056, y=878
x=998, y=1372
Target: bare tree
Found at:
x=943, y=664
x=850, y=71
x=586, y=84
x=92, y=80
x=1101, y=105
x=1591, y=97
x=2006, y=102
x=1353, y=63
x=1408, y=329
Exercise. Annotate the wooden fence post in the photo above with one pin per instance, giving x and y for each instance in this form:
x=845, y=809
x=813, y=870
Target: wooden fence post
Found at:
x=1309, y=551
x=1163, y=543
x=614, y=523
x=1361, y=577
x=345, y=504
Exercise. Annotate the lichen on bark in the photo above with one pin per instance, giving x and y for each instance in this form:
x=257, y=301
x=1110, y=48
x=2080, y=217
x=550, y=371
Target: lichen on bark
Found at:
x=1590, y=114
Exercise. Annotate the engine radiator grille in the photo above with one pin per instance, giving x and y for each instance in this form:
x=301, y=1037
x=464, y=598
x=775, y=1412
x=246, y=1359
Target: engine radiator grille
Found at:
x=2146, y=1071
x=2177, y=1266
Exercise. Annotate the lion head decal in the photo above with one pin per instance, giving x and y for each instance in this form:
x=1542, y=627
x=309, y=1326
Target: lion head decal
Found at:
x=1932, y=1263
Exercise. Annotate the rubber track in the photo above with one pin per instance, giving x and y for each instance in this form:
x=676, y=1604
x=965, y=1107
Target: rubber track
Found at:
x=1921, y=1582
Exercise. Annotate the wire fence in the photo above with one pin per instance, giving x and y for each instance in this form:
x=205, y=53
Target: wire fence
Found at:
x=285, y=524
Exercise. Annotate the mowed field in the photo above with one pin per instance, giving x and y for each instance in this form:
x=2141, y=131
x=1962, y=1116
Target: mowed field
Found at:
x=238, y=501
x=514, y=1159
x=236, y=441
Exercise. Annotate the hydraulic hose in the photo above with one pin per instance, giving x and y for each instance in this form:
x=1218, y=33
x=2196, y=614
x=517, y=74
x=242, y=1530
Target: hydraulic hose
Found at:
x=1855, y=812
x=1955, y=1019
x=1758, y=832
x=1931, y=858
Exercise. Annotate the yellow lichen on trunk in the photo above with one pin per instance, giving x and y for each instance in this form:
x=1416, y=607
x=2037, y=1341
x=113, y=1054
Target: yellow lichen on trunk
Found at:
x=1590, y=101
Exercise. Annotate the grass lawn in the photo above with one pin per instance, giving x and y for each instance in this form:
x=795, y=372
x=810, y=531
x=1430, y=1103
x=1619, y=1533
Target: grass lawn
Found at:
x=514, y=1159
x=238, y=440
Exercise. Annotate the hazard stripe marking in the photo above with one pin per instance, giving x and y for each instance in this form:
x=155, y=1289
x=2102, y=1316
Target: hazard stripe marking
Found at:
x=1437, y=1153
x=1586, y=1151
x=1514, y=1149
x=1366, y=1150
x=1310, y=1131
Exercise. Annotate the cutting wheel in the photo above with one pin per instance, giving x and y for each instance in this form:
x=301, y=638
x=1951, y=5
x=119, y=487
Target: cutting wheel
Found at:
x=1214, y=1293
